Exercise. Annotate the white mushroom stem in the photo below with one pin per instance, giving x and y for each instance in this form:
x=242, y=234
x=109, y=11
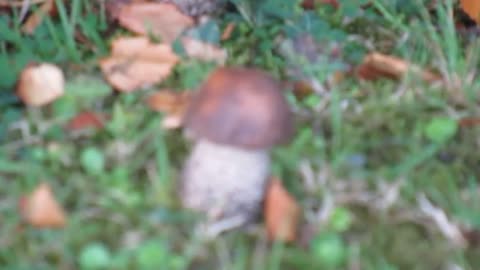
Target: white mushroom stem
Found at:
x=225, y=182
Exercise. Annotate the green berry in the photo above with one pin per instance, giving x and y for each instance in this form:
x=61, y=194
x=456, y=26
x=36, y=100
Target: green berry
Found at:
x=441, y=129
x=94, y=256
x=329, y=249
x=92, y=160
x=341, y=219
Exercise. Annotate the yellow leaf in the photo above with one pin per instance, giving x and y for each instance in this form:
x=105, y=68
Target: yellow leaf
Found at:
x=200, y=50
x=472, y=8
x=137, y=62
x=376, y=65
x=36, y=18
x=173, y=104
x=164, y=20
x=281, y=213
x=41, y=210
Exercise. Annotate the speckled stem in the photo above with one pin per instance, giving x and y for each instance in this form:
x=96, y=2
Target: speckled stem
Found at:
x=225, y=182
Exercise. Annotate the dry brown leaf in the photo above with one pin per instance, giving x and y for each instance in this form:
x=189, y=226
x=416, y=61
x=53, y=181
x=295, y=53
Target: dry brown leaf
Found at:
x=281, y=213
x=301, y=89
x=142, y=47
x=472, y=8
x=36, y=18
x=468, y=122
x=160, y=19
x=173, y=104
x=310, y=4
x=377, y=65
x=164, y=100
x=113, y=8
x=227, y=32
x=136, y=62
x=204, y=51
x=85, y=120
x=40, y=84
x=41, y=210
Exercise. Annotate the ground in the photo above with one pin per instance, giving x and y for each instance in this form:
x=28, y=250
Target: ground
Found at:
x=374, y=164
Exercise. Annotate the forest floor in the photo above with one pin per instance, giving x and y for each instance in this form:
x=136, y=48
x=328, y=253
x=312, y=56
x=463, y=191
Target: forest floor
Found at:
x=384, y=164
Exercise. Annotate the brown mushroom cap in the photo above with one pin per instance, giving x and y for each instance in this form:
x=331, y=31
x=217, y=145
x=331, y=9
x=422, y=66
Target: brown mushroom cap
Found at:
x=240, y=107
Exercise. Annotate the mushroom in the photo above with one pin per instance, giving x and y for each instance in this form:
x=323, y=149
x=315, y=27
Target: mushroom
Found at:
x=236, y=117
x=40, y=84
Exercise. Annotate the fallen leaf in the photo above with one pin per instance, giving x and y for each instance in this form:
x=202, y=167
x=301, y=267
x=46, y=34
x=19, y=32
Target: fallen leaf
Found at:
x=137, y=62
x=173, y=104
x=85, y=120
x=113, y=8
x=227, y=32
x=41, y=210
x=310, y=4
x=142, y=47
x=472, y=8
x=302, y=89
x=164, y=100
x=203, y=51
x=469, y=122
x=36, y=18
x=281, y=213
x=40, y=84
x=160, y=19
x=472, y=235
x=377, y=65
x=369, y=72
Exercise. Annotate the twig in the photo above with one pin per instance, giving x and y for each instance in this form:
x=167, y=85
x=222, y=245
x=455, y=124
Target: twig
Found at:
x=23, y=12
x=326, y=210
x=446, y=227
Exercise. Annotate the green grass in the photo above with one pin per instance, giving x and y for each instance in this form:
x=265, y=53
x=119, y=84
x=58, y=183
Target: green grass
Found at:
x=354, y=141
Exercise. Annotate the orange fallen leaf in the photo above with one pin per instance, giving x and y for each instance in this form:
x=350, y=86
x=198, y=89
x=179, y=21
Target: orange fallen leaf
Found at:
x=41, y=210
x=85, y=120
x=310, y=4
x=377, y=65
x=472, y=8
x=469, y=121
x=281, y=213
x=36, y=18
x=136, y=62
x=160, y=19
x=370, y=73
x=227, y=32
x=199, y=50
x=302, y=89
x=173, y=104
x=40, y=84
x=113, y=8
x=142, y=47
x=164, y=100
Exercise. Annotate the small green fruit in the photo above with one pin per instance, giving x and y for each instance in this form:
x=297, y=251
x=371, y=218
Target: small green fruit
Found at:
x=329, y=249
x=341, y=219
x=441, y=129
x=94, y=256
x=152, y=255
x=92, y=160
x=38, y=153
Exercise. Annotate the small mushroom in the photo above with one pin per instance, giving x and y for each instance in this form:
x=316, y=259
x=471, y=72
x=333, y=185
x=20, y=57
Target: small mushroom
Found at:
x=236, y=117
x=40, y=84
